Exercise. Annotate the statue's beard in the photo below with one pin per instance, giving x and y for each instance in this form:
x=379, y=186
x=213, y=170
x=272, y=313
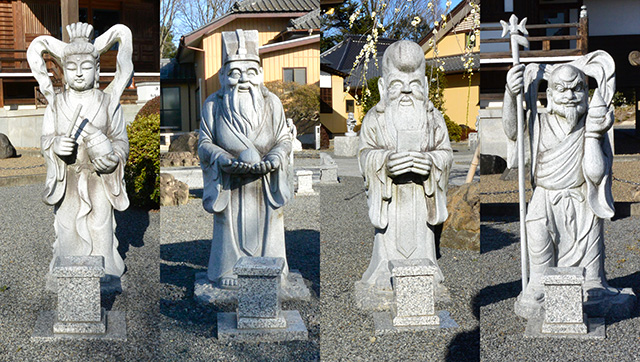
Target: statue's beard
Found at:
x=572, y=113
x=407, y=116
x=245, y=108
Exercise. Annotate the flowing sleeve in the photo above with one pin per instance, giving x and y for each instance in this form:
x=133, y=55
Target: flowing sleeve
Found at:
x=113, y=182
x=372, y=158
x=599, y=196
x=276, y=183
x=215, y=196
x=56, y=181
x=435, y=186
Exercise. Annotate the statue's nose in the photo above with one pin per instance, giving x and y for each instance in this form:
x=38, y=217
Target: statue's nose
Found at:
x=406, y=89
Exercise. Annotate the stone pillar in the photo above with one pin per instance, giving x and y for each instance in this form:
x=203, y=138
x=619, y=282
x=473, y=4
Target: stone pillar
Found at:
x=346, y=146
x=79, y=308
x=258, y=292
x=414, y=293
x=563, y=301
x=305, y=182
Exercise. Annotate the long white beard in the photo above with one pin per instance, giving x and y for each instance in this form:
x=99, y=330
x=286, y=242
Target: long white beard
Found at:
x=407, y=117
x=572, y=114
x=246, y=109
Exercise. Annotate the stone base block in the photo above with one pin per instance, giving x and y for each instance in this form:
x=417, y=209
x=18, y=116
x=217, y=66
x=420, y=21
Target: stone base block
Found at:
x=258, y=323
x=82, y=327
x=384, y=324
x=618, y=306
x=116, y=328
x=564, y=328
x=112, y=286
x=368, y=297
x=295, y=330
x=206, y=292
x=595, y=330
x=344, y=146
x=432, y=320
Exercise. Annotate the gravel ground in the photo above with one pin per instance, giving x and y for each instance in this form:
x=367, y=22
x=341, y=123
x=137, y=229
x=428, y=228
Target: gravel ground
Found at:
x=26, y=235
x=348, y=333
x=188, y=330
x=501, y=331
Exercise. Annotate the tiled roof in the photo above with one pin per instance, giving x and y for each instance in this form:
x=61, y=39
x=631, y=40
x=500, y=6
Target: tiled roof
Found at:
x=261, y=6
x=172, y=70
x=308, y=21
x=454, y=64
x=342, y=56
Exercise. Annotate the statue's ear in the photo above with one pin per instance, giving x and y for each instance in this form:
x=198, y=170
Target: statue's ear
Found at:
x=382, y=89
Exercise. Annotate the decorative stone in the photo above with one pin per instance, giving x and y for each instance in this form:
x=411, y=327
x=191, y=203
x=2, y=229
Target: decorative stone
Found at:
x=172, y=192
x=328, y=169
x=571, y=154
x=405, y=157
x=461, y=230
x=259, y=304
x=305, y=182
x=6, y=148
x=186, y=143
x=346, y=146
x=413, y=288
x=245, y=155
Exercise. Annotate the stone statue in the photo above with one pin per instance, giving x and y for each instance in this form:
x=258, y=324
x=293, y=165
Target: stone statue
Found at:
x=244, y=148
x=351, y=125
x=571, y=159
x=405, y=157
x=84, y=142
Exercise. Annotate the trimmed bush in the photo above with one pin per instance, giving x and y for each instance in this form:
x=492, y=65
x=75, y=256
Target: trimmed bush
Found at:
x=455, y=131
x=142, y=173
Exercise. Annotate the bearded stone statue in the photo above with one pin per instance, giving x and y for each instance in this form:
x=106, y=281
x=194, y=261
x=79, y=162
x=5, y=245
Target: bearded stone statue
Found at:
x=244, y=148
x=571, y=158
x=405, y=157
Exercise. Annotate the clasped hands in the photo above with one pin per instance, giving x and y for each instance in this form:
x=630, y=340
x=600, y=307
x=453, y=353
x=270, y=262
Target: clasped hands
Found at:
x=268, y=164
x=399, y=163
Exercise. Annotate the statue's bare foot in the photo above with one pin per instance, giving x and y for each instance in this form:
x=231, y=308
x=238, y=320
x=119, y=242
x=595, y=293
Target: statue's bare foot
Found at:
x=596, y=294
x=228, y=282
x=384, y=283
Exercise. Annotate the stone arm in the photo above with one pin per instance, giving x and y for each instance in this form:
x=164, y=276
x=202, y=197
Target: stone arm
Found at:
x=435, y=186
x=56, y=181
x=515, y=84
x=276, y=183
x=113, y=182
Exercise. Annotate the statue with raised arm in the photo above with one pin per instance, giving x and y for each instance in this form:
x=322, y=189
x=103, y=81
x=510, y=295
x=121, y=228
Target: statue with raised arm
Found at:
x=571, y=160
x=84, y=142
x=244, y=148
x=405, y=157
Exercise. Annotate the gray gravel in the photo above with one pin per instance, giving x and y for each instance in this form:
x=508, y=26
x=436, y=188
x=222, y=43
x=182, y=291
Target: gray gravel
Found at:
x=502, y=331
x=26, y=235
x=189, y=329
x=348, y=333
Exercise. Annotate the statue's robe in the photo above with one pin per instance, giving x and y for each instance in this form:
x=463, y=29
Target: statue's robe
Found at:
x=84, y=200
x=566, y=211
x=247, y=208
x=403, y=210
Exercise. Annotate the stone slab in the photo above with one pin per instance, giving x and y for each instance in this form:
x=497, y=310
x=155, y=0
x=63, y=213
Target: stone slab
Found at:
x=563, y=276
x=97, y=327
x=116, y=328
x=206, y=292
x=412, y=267
x=89, y=266
x=295, y=331
x=595, y=330
x=345, y=146
x=259, y=323
x=258, y=266
x=258, y=296
x=409, y=321
x=383, y=324
x=113, y=286
x=368, y=298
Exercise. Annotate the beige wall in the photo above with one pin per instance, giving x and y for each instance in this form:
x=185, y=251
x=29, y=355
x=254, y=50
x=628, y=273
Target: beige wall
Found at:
x=336, y=121
x=306, y=56
x=452, y=44
x=458, y=95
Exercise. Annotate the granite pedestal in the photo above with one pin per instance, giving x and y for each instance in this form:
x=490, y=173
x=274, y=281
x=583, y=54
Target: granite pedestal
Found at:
x=259, y=315
x=346, y=146
x=305, y=182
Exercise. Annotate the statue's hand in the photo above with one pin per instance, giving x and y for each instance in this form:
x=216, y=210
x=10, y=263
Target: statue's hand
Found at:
x=399, y=163
x=421, y=163
x=63, y=145
x=233, y=166
x=515, y=80
x=106, y=163
x=599, y=119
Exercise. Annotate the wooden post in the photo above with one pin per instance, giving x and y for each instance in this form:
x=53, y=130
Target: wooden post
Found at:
x=18, y=32
x=70, y=12
x=583, y=31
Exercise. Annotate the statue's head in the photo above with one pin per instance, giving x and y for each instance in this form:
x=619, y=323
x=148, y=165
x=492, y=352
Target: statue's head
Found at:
x=80, y=59
x=567, y=93
x=403, y=82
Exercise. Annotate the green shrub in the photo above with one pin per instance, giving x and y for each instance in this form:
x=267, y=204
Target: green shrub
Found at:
x=142, y=173
x=300, y=102
x=455, y=132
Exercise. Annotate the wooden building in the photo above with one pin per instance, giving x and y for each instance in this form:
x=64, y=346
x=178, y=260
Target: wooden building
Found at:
x=289, y=34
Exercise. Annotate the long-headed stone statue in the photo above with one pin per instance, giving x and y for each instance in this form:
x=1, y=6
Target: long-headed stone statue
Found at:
x=84, y=142
x=244, y=150
x=571, y=160
x=405, y=157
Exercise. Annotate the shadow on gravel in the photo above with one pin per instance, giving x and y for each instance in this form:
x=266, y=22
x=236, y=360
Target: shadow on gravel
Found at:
x=193, y=257
x=303, y=254
x=464, y=347
x=131, y=225
x=496, y=293
x=492, y=239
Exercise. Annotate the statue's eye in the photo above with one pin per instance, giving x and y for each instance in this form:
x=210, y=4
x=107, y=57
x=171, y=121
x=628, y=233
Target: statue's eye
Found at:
x=578, y=88
x=235, y=73
x=71, y=66
x=395, y=84
x=251, y=72
x=416, y=84
x=560, y=88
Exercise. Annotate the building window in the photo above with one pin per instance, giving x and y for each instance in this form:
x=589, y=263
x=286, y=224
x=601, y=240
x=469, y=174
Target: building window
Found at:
x=325, y=100
x=350, y=107
x=170, y=118
x=298, y=75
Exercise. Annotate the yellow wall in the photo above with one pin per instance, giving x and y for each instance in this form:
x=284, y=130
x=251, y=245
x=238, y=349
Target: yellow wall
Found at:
x=456, y=95
x=336, y=122
x=452, y=44
x=267, y=28
x=306, y=56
